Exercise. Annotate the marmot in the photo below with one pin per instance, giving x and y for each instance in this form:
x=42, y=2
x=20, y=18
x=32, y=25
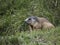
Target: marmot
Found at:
x=35, y=22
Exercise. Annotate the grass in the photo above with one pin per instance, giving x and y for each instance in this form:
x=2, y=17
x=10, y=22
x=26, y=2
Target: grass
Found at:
x=36, y=37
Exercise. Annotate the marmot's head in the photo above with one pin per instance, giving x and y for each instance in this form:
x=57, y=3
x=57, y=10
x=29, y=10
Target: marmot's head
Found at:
x=31, y=20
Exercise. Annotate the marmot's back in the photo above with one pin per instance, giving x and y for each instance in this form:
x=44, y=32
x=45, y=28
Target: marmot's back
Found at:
x=46, y=24
x=42, y=19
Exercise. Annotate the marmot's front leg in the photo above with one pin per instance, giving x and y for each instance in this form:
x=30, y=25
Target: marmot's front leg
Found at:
x=30, y=27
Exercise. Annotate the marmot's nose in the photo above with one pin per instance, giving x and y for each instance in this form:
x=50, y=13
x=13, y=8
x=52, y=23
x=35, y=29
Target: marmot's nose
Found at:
x=26, y=20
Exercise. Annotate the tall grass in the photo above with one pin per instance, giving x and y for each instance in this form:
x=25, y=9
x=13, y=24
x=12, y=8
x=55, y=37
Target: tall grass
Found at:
x=36, y=37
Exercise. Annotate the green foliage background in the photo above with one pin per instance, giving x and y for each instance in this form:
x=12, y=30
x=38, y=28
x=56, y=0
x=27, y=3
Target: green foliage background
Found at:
x=14, y=12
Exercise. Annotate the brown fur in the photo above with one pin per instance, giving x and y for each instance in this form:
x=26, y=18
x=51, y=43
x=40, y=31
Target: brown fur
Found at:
x=41, y=23
x=45, y=24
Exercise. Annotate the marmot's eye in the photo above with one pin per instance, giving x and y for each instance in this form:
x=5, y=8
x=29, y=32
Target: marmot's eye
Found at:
x=29, y=18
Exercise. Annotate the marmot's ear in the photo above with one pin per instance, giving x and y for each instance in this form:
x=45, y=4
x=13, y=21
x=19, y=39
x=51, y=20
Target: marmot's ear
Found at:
x=36, y=18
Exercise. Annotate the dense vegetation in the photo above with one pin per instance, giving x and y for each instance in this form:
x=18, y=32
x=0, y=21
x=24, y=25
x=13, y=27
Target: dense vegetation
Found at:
x=41, y=37
x=13, y=14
